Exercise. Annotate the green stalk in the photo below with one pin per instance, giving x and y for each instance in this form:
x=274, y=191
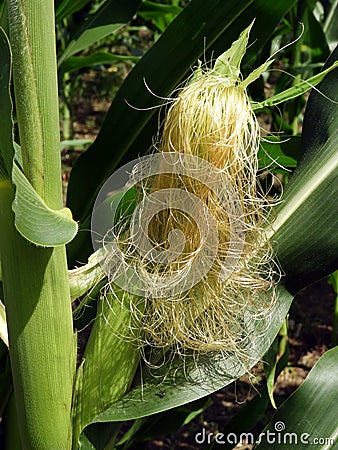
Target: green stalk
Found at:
x=32, y=41
x=35, y=279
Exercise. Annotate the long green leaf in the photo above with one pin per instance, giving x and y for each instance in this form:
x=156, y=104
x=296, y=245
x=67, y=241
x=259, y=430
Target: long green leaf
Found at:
x=65, y=8
x=112, y=15
x=309, y=416
x=304, y=233
x=77, y=62
x=321, y=110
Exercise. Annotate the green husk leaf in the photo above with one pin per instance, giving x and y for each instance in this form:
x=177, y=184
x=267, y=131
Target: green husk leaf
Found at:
x=108, y=356
x=255, y=74
x=228, y=64
x=82, y=279
x=294, y=91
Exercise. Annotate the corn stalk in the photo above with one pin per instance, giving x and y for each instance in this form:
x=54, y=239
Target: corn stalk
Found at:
x=35, y=278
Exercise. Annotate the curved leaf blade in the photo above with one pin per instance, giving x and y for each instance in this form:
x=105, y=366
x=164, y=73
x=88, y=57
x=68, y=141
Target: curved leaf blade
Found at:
x=112, y=15
x=321, y=110
x=65, y=8
x=305, y=231
x=310, y=413
x=34, y=220
x=95, y=59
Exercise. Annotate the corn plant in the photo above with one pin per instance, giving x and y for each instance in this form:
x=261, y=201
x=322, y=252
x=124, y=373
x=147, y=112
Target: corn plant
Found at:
x=137, y=361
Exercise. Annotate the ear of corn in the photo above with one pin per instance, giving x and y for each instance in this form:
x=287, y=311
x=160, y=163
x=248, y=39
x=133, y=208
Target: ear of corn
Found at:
x=109, y=362
x=211, y=118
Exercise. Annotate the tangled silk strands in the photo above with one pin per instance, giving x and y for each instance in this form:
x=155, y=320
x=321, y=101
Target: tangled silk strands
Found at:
x=212, y=119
